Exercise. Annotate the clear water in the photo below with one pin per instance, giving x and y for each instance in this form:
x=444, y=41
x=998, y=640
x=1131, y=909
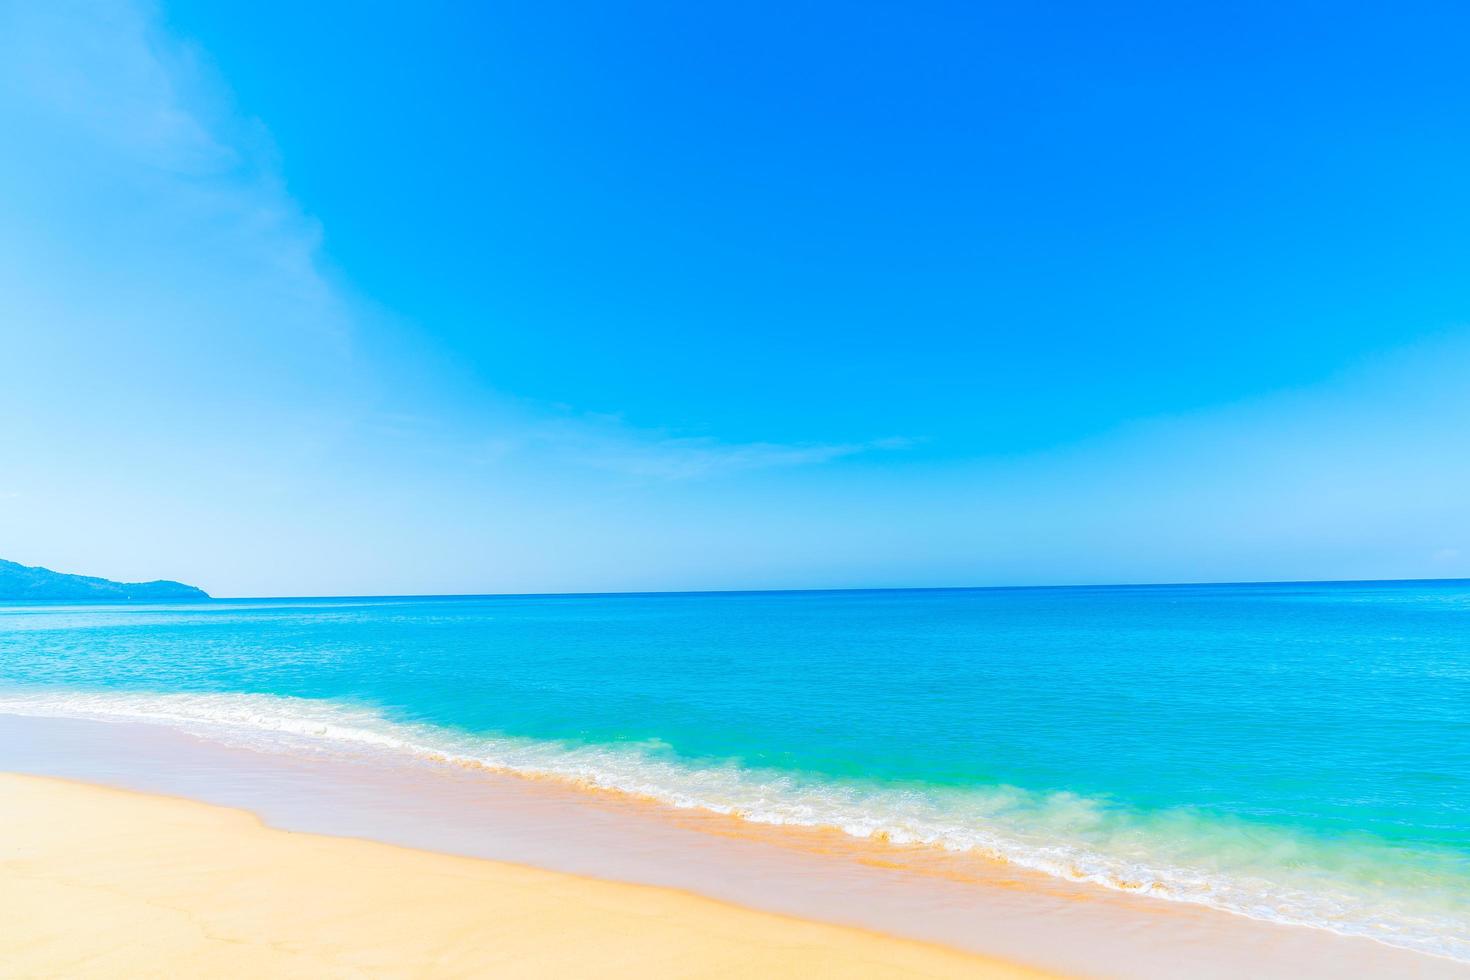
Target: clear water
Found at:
x=1292, y=752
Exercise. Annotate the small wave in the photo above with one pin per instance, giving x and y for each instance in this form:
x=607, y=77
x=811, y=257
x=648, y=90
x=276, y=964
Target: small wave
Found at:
x=1416, y=900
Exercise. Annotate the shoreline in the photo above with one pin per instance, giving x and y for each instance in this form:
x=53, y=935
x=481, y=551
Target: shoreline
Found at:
x=102, y=881
x=881, y=826
x=989, y=910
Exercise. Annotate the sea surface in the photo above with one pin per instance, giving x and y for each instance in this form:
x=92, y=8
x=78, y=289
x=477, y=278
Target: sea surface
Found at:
x=1293, y=752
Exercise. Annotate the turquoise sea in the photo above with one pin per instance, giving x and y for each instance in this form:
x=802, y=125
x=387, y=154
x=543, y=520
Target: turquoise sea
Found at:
x=1297, y=752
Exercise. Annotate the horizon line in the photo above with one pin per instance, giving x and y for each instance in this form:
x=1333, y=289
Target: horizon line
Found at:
x=915, y=588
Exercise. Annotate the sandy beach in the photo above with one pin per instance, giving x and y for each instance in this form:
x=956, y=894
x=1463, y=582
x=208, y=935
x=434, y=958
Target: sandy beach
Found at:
x=104, y=882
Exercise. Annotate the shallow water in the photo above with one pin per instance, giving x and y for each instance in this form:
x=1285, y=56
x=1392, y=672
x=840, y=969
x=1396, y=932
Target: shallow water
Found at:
x=1298, y=753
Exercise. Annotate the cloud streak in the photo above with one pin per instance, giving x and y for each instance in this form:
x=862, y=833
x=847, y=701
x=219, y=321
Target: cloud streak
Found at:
x=606, y=444
x=686, y=458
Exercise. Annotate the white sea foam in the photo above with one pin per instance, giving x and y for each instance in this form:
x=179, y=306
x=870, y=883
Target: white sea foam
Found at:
x=1361, y=888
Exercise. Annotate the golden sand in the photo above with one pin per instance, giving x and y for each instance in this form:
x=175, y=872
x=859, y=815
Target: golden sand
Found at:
x=101, y=882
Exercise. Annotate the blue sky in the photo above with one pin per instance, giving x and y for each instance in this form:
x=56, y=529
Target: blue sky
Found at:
x=554, y=297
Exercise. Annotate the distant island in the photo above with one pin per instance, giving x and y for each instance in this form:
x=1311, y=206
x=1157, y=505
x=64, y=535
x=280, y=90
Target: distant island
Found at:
x=26, y=582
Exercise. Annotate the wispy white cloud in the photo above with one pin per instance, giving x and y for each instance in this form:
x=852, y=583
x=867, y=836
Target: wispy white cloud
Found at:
x=696, y=458
x=133, y=170
x=102, y=69
x=607, y=443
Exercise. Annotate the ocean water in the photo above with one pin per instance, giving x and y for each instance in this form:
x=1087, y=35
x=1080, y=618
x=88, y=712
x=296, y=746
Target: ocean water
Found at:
x=1298, y=752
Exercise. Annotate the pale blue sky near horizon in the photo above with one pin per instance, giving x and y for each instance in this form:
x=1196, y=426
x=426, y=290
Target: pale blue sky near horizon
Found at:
x=554, y=297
